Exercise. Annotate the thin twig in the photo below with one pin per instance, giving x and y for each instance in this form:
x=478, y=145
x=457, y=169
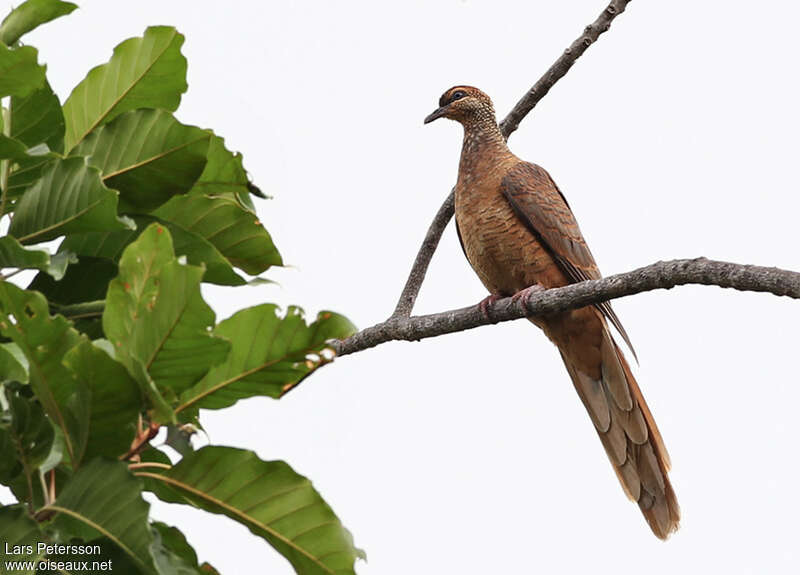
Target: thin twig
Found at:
x=561, y=66
x=141, y=440
x=557, y=71
x=409, y=296
x=661, y=275
x=12, y=274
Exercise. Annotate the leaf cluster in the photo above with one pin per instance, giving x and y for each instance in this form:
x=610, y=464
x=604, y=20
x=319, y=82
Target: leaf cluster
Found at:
x=112, y=341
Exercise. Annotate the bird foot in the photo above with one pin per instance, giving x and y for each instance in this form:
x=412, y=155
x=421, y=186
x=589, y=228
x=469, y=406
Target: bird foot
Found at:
x=485, y=303
x=526, y=293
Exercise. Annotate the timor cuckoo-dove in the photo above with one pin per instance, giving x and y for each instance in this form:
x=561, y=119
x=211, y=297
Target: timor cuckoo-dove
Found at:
x=518, y=233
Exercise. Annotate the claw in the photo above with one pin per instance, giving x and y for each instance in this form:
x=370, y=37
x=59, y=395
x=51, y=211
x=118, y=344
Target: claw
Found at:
x=526, y=293
x=485, y=303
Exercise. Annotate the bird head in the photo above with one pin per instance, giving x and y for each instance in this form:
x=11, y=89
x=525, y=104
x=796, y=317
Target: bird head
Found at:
x=463, y=104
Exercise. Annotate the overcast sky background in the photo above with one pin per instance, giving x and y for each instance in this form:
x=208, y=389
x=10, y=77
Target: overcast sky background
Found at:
x=676, y=135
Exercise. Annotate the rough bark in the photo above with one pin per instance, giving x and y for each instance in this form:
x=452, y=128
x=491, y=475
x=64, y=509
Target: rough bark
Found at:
x=661, y=275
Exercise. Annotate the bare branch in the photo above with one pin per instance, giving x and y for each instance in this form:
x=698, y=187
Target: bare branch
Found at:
x=661, y=275
x=561, y=66
x=511, y=122
x=417, y=275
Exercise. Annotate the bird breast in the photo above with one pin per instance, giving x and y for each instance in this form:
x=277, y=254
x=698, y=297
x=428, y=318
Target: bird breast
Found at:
x=505, y=255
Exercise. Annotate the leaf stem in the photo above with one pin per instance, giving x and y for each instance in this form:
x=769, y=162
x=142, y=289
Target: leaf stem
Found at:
x=80, y=310
x=5, y=165
x=148, y=464
x=45, y=491
x=52, y=485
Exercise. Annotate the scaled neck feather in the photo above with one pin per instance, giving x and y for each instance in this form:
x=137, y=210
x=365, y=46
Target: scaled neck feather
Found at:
x=482, y=140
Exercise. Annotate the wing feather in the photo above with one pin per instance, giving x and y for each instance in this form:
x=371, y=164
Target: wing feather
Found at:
x=542, y=207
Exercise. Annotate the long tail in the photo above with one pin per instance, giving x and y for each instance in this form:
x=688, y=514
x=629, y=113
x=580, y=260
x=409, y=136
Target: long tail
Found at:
x=629, y=434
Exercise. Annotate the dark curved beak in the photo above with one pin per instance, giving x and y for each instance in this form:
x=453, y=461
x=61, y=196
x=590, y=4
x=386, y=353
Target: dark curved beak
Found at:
x=436, y=115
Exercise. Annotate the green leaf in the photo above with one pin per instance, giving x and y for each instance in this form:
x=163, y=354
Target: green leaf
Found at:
x=33, y=431
x=25, y=167
x=25, y=173
x=9, y=466
x=224, y=175
x=30, y=15
x=115, y=401
x=26, y=428
x=14, y=255
x=269, y=356
x=156, y=315
x=99, y=253
x=20, y=72
x=44, y=340
x=84, y=281
x=13, y=365
x=12, y=149
x=198, y=251
x=270, y=499
x=161, y=410
x=146, y=72
x=148, y=156
x=69, y=198
x=20, y=534
x=38, y=119
x=104, y=245
x=172, y=553
x=58, y=264
x=103, y=498
x=232, y=229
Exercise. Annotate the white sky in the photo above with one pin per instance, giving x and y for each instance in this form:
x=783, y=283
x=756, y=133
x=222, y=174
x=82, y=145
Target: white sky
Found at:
x=674, y=136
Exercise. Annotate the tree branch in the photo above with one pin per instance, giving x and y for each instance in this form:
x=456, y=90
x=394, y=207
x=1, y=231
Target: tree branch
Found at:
x=661, y=275
x=511, y=122
x=561, y=66
x=414, y=282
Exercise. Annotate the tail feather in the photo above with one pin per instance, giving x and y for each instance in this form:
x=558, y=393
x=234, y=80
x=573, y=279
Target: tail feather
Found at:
x=629, y=434
x=663, y=513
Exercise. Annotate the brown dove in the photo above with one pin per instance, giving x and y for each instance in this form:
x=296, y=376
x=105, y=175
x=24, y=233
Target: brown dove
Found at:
x=519, y=233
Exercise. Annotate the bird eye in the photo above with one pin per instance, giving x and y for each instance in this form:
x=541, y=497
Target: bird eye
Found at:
x=457, y=95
